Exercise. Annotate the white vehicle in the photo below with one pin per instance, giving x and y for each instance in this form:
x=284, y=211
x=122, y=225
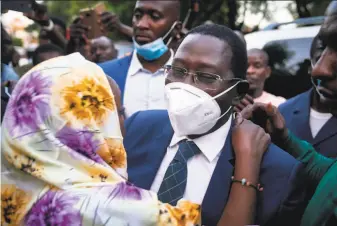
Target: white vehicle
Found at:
x=288, y=46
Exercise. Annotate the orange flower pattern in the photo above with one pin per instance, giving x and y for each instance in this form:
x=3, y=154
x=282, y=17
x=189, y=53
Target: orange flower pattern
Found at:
x=115, y=154
x=13, y=204
x=70, y=167
x=87, y=100
x=185, y=213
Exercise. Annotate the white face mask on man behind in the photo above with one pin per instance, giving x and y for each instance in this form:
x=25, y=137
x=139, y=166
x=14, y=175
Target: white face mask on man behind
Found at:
x=191, y=110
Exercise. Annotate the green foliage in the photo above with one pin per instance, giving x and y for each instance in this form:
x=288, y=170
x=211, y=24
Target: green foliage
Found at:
x=68, y=10
x=32, y=27
x=17, y=41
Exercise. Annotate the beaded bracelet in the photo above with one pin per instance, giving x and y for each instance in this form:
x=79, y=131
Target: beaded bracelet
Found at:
x=244, y=182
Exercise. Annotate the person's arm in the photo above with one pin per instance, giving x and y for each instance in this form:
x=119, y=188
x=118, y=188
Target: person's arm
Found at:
x=249, y=143
x=241, y=197
x=270, y=118
x=111, y=22
x=40, y=16
x=57, y=37
x=316, y=165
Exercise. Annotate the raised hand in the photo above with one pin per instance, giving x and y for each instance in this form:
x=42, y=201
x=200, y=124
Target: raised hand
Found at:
x=247, y=100
x=249, y=140
x=269, y=118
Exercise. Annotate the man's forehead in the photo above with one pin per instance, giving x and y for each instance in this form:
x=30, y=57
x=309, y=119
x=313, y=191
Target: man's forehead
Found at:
x=329, y=28
x=200, y=43
x=154, y=5
x=204, y=51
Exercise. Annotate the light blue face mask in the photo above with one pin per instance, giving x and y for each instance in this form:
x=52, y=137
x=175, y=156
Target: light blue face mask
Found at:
x=153, y=50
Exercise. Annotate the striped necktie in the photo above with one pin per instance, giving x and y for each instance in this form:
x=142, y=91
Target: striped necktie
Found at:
x=173, y=186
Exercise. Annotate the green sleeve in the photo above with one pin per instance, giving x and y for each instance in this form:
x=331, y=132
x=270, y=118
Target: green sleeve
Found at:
x=316, y=165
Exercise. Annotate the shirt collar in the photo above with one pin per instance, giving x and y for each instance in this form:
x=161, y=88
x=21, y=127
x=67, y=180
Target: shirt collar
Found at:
x=136, y=66
x=209, y=144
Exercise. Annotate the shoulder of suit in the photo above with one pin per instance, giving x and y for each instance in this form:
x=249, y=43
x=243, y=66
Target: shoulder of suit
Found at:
x=152, y=116
x=290, y=102
x=279, y=159
x=117, y=61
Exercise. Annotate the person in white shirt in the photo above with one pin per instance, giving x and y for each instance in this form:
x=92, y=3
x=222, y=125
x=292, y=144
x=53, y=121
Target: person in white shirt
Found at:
x=257, y=73
x=140, y=75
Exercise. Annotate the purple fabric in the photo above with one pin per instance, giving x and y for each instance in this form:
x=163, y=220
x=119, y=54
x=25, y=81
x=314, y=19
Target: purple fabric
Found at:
x=29, y=104
x=54, y=209
x=81, y=141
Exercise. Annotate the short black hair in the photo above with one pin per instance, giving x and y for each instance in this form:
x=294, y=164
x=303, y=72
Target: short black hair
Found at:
x=239, y=60
x=59, y=22
x=262, y=52
x=45, y=48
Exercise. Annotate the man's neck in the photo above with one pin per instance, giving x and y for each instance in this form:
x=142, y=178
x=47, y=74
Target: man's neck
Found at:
x=317, y=105
x=155, y=65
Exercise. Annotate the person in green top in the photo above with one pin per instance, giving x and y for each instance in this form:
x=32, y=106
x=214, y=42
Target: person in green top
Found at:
x=321, y=171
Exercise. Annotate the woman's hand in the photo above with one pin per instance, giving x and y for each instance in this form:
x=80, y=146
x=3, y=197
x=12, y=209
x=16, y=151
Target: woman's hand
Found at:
x=39, y=14
x=110, y=21
x=269, y=118
x=249, y=140
x=244, y=102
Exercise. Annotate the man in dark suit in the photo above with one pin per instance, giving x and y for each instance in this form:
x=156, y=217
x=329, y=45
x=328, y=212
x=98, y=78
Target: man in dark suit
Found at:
x=140, y=75
x=186, y=152
x=312, y=115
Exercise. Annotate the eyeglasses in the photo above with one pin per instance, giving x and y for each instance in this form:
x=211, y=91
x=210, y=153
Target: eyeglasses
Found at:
x=202, y=80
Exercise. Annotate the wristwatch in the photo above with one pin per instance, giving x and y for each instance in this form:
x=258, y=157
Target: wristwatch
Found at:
x=49, y=27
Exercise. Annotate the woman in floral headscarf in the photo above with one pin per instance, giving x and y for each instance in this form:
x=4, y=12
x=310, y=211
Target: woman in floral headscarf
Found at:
x=63, y=161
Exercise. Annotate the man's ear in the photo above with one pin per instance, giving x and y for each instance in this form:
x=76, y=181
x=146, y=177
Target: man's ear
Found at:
x=241, y=91
x=268, y=72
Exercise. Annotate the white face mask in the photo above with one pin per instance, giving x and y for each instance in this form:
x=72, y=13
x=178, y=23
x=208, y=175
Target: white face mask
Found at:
x=191, y=110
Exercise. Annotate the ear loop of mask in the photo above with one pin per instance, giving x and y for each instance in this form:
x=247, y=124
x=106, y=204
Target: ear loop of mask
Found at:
x=229, y=109
x=7, y=91
x=169, y=32
x=318, y=83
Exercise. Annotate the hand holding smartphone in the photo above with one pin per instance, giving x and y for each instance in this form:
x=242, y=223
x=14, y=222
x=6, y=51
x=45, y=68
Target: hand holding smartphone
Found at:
x=91, y=18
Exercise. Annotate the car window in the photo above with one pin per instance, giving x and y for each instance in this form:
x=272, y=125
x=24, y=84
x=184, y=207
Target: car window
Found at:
x=289, y=53
x=290, y=62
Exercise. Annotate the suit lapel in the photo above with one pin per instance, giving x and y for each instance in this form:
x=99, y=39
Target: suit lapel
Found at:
x=155, y=154
x=219, y=187
x=301, y=113
x=327, y=131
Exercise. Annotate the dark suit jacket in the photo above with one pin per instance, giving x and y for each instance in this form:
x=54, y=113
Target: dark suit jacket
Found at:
x=118, y=70
x=148, y=134
x=296, y=112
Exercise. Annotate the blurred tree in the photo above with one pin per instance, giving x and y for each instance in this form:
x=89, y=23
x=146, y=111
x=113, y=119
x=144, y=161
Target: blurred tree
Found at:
x=218, y=11
x=307, y=8
x=17, y=41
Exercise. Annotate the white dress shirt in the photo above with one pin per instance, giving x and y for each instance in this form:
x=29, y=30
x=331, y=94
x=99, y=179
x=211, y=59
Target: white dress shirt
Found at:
x=317, y=121
x=144, y=90
x=200, y=167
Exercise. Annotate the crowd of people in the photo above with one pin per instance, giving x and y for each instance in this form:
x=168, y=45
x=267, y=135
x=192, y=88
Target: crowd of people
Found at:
x=178, y=132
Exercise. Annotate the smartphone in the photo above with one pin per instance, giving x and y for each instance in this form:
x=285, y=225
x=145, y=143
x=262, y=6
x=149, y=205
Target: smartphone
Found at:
x=23, y=6
x=90, y=18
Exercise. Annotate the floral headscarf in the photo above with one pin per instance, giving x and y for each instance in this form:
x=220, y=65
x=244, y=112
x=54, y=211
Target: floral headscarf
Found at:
x=63, y=160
